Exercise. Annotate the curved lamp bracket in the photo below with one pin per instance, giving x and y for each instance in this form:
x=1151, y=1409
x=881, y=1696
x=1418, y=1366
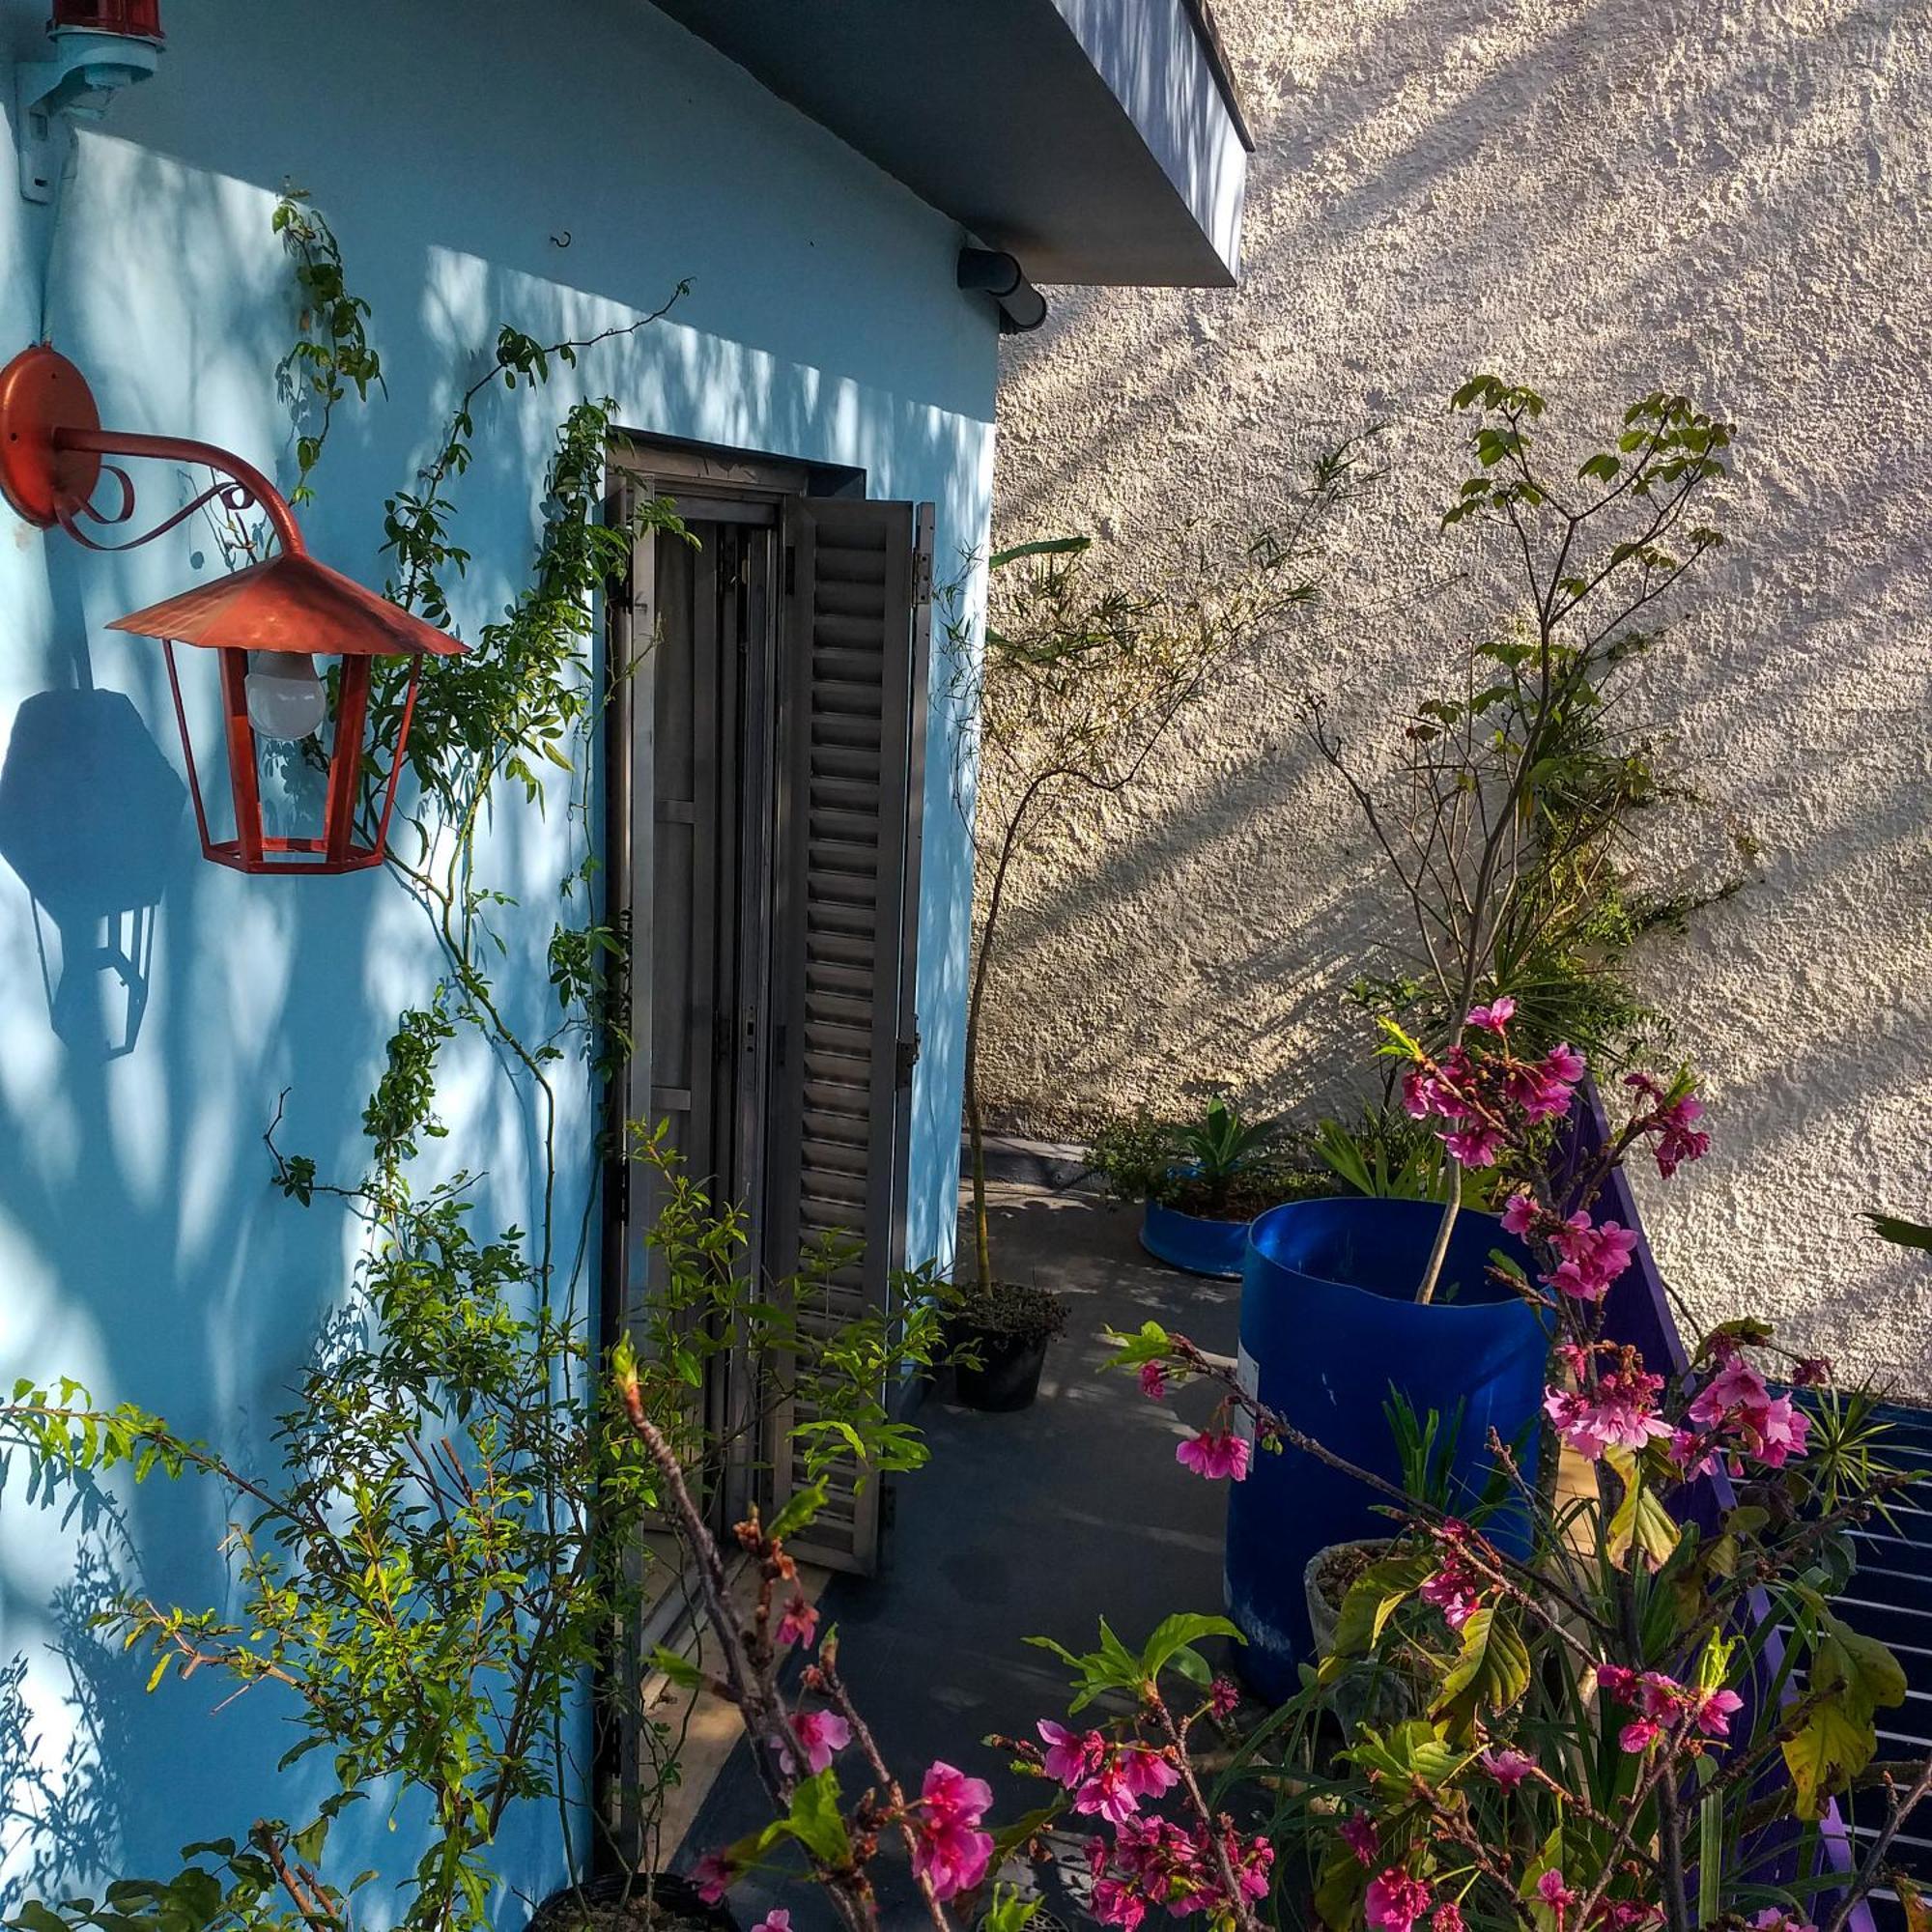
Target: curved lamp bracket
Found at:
x=52, y=447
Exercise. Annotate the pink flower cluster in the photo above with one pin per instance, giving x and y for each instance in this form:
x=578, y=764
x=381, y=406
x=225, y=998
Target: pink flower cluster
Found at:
x=1661, y=1705
x=1215, y=1453
x=1156, y=1862
x=1476, y=1093
x=1396, y=1900
x=1107, y=1781
x=1618, y=1410
x=1456, y=1590
x=1673, y=1122
x=952, y=1853
x=1734, y=1413
x=1590, y=1255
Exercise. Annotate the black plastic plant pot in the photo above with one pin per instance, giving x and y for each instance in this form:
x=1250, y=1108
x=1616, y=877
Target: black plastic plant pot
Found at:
x=679, y=1906
x=1008, y=1376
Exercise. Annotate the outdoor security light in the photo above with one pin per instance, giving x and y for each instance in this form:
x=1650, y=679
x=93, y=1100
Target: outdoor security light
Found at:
x=266, y=623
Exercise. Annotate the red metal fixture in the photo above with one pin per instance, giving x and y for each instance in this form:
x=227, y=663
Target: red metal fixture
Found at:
x=264, y=622
x=142, y=19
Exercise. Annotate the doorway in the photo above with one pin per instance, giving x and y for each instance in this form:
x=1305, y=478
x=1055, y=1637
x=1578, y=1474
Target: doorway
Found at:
x=767, y=754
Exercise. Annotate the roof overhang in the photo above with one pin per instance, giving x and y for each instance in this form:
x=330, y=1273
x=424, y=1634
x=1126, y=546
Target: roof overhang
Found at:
x=1095, y=140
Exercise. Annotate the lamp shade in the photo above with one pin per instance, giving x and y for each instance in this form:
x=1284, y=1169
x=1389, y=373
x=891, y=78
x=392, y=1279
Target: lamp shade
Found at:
x=291, y=602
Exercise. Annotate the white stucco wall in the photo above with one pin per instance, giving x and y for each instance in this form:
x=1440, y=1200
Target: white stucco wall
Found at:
x=1597, y=197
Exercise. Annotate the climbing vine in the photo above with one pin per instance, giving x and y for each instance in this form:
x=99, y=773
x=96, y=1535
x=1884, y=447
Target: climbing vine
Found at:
x=446, y=1541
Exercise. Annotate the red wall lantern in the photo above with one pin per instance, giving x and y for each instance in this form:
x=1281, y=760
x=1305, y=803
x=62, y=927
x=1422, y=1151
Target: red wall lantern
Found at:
x=141, y=19
x=265, y=623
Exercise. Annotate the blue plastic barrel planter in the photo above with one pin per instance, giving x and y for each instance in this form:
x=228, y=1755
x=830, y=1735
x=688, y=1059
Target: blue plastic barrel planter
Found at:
x=1329, y=1322
x=1194, y=1243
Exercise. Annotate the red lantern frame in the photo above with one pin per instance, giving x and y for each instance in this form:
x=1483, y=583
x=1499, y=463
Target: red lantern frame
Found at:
x=138, y=19
x=51, y=451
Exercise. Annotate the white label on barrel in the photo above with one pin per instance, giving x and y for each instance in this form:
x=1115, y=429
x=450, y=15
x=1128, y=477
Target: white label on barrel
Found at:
x=1248, y=1374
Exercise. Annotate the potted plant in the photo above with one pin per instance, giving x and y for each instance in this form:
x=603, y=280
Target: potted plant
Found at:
x=633, y=1902
x=1505, y=824
x=1201, y=1182
x=999, y=1337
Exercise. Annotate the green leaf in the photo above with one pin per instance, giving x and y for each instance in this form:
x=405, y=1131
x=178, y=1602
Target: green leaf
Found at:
x=1373, y=1598
x=1180, y=1632
x=680, y=1670
x=815, y=1821
x=1490, y=1674
x=1415, y=1748
x=801, y=1508
x=1641, y=1523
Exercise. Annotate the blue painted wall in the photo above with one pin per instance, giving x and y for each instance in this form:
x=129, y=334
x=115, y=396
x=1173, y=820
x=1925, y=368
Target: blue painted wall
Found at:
x=141, y=1248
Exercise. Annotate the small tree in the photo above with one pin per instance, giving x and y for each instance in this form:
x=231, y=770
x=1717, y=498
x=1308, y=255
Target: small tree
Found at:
x=1506, y=815
x=1074, y=681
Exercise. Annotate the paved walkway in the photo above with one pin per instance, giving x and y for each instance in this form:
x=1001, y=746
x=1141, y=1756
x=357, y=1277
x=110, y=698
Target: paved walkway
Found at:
x=1020, y=1525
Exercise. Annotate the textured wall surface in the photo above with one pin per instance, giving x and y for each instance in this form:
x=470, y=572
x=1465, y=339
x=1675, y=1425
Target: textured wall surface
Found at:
x=1597, y=197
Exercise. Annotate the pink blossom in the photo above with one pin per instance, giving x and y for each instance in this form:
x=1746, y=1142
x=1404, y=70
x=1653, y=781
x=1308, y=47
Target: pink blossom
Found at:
x=1564, y=1062
x=1811, y=1372
x=712, y=1876
x=1736, y=1385
x=1509, y=1768
x=1617, y=1682
x=1153, y=1381
x=1215, y=1453
x=1518, y=1214
x=1779, y=1428
x=1555, y=1894
x=1069, y=1755
x=1694, y=1454
x=1224, y=1696
x=820, y=1734
x=1673, y=1122
x=777, y=1920
x=1639, y=1735
x=1716, y=1710
x=1492, y=1019
x=1395, y=1900
x=1117, y=1902
x=800, y=1622
x=952, y=1853
x=1146, y=1773
x=1456, y=1590
x=1540, y=1094
x=1358, y=1833
x=1774, y=1918
x=1475, y=1147
x=1448, y=1916
x=1593, y=1256
x=1108, y=1795
x=1619, y=1413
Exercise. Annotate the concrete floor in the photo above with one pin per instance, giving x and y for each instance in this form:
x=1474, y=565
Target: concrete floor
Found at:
x=1027, y=1524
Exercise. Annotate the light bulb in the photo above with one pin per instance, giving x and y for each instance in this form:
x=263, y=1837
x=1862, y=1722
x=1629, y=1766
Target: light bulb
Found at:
x=285, y=696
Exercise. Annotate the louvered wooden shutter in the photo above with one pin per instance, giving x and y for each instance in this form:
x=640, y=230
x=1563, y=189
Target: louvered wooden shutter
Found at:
x=852, y=757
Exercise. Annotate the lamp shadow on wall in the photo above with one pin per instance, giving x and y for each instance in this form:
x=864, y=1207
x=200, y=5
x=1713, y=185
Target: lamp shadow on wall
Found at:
x=89, y=810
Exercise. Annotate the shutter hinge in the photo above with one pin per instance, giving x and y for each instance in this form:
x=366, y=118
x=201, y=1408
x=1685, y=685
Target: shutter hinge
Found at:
x=791, y=570
x=922, y=577
x=907, y=1060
